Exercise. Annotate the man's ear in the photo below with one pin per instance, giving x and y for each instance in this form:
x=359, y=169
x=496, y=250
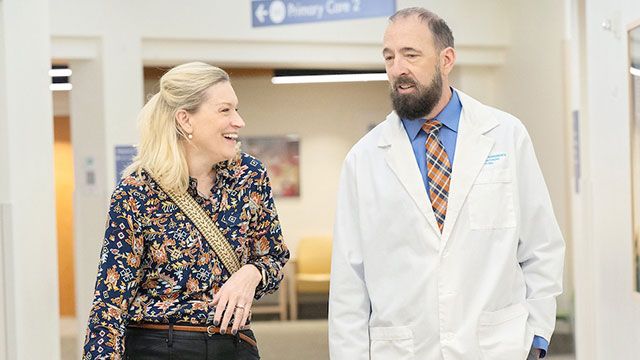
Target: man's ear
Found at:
x=184, y=121
x=447, y=60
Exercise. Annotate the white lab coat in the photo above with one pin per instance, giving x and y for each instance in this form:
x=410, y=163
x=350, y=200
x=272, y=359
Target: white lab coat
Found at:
x=483, y=288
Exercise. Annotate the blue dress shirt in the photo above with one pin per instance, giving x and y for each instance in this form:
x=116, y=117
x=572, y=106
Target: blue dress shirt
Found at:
x=448, y=135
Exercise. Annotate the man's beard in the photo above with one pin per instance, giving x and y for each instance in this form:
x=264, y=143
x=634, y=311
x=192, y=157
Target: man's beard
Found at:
x=419, y=104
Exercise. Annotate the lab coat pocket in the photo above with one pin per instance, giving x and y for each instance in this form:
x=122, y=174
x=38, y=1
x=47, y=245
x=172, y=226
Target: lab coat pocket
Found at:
x=395, y=342
x=491, y=201
x=502, y=334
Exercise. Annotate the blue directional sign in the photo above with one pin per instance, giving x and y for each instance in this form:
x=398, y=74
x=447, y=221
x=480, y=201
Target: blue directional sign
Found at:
x=281, y=12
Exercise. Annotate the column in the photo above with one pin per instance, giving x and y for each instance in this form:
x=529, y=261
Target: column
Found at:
x=29, y=322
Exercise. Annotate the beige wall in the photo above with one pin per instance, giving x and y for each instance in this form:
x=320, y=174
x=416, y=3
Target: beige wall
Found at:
x=531, y=85
x=329, y=119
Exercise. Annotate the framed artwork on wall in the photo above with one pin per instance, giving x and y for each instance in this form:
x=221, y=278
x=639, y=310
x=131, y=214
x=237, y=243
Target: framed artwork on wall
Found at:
x=280, y=155
x=634, y=70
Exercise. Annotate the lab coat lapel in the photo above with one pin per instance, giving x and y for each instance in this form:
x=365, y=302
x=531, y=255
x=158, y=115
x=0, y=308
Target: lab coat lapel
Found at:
x=472, y=149
x=401, y=160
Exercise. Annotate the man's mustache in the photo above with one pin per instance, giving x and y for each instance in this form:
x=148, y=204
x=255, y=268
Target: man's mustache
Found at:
x=403, y=80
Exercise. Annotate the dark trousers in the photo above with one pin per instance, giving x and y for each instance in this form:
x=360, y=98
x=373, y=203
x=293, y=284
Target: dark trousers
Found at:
x=146, y=344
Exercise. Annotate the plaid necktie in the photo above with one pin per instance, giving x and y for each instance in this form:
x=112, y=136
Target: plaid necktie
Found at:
x=438, y=171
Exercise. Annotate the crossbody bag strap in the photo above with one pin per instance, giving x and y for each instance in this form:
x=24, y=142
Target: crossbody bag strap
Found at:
x=206, y=226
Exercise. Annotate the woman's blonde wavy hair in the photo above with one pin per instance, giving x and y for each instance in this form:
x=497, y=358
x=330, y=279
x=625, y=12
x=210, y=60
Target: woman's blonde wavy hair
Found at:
x=161, y=149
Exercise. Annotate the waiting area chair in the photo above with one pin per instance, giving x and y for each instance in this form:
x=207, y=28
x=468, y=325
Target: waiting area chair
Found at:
x=311, y=269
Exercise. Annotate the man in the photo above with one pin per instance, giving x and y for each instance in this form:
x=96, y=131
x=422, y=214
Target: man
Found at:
x=445, y=244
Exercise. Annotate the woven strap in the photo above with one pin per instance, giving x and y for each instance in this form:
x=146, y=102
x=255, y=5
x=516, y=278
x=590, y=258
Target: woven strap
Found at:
x=206, y=226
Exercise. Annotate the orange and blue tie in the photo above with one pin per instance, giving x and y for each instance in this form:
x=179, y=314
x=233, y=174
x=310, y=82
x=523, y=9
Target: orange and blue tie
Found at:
x=438, y=171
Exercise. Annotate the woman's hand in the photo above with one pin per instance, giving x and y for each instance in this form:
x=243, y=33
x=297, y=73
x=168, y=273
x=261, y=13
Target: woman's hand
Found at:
x=236, y=297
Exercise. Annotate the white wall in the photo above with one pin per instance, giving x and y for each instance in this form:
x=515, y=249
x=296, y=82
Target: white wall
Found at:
x=605, y=297
x=28, y=282
x=90, y=156
x=4, y=125
x=220, y=31
x=4, y=193
x=479, y=22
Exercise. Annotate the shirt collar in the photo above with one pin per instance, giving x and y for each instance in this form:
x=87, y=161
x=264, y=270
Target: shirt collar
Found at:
x=449, y=117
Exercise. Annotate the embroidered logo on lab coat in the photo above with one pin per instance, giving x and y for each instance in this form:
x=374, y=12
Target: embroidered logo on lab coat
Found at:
x=494, y=158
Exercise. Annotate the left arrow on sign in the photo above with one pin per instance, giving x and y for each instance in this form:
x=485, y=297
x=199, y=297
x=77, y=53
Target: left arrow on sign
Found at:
x=261, y=13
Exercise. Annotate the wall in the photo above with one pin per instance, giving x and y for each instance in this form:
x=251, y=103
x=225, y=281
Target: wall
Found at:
x=28, y=280
x=531, y=85
x=63, y=174
x=328, y=118
x=605, y=299
x=4, y=192
x=221, y=23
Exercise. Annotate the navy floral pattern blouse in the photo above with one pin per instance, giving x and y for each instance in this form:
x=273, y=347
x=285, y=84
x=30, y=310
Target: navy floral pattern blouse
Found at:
x=155, y=265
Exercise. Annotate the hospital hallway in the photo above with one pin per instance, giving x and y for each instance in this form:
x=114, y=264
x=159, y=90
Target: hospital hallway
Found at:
x=306, y=338
x=464, y=198
x=291, y=340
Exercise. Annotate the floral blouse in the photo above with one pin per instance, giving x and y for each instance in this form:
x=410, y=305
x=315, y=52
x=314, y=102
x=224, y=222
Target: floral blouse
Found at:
x=155, y=265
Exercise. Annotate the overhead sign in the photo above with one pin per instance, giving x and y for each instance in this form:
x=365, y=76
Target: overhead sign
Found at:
x=281, y=12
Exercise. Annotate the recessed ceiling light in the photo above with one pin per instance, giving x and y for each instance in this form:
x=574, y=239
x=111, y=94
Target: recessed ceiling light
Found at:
x=332, y=78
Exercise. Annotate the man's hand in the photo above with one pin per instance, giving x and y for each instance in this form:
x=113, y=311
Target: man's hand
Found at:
x=534, y=354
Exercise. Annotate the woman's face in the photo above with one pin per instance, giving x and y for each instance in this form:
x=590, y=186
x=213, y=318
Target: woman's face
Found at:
x=216, y=123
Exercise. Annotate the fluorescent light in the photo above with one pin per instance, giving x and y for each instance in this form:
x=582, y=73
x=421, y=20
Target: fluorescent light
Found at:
x=61, y=87
x=634, y=71
x=60, y=72
x=308, y=79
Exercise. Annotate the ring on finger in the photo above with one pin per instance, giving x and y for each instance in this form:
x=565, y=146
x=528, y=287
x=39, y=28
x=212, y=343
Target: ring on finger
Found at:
x=240, y=307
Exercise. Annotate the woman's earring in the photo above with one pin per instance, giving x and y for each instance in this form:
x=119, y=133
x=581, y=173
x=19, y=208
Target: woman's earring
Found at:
x=190, y=136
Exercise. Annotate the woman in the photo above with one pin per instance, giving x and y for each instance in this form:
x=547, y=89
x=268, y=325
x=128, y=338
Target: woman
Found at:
x=166, y=289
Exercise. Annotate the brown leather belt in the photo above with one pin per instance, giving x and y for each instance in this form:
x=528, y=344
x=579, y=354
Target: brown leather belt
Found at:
x=203, y=329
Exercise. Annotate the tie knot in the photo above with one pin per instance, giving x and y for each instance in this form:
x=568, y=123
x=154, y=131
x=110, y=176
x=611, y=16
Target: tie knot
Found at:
x=431, y=126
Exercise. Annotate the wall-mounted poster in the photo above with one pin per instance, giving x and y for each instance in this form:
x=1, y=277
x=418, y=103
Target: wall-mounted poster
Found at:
x=280, y=154
x=124, y=157
x=634, y=69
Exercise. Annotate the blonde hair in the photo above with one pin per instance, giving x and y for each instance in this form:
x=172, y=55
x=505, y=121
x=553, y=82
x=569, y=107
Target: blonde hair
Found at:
x=161, y=149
